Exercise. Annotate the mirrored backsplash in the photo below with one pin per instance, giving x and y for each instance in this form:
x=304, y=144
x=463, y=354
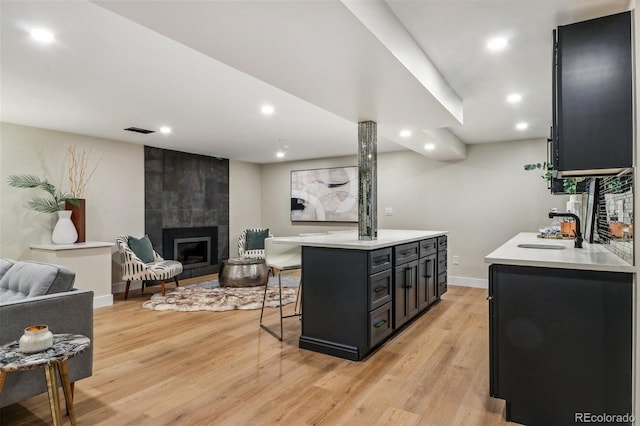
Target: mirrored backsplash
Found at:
x=614, y=222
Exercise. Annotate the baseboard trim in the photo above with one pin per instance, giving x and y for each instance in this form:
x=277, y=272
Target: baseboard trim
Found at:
x=120, y=287
x=102, y=301
x=468, y=282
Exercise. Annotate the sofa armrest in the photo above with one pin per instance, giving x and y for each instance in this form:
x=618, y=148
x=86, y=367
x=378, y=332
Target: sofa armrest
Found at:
x=67, y=312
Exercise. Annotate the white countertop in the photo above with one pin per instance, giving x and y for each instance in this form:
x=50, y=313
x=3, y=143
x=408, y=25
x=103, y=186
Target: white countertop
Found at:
x=349, y=239
x=75, y=246
x=592, y=257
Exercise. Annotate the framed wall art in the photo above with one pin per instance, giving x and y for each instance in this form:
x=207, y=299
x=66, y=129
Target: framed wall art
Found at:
x=325, y=195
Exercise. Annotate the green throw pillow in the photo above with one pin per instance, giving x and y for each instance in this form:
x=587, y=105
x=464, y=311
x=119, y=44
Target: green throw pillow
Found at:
x=142, y=248
x=255, y=239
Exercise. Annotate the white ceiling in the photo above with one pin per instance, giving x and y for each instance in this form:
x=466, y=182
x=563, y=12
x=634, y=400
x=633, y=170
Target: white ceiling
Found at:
x=206, y=67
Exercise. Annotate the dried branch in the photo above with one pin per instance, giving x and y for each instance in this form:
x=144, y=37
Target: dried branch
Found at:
x=77, y=170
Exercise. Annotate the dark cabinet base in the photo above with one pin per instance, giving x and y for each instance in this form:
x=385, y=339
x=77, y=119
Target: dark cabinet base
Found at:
x=355, y=300
x=560, y=343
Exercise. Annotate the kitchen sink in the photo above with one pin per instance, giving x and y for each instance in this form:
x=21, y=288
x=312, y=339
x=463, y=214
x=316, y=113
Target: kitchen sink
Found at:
x=542, y=246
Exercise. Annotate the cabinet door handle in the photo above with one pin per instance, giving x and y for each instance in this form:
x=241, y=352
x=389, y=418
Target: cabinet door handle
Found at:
x=380, y=323
x=379, y=289
x=407, y=278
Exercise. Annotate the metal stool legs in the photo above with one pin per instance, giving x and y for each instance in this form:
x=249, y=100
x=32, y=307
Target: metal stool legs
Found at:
x=264, y=299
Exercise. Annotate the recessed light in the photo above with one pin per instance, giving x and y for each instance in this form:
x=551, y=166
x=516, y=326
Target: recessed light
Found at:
x=522, y=126
x=514, y=98
x=41, y=35
x=267, y=109
x=405, y=133
x=165, y=129
x=280, y=154
x=497, y=43
x=429, y=147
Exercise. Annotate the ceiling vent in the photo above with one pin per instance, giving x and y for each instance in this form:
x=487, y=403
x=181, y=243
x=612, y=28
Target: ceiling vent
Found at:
x=139, y=130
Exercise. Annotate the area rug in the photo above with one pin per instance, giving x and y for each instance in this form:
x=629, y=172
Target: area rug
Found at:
x=209, y=296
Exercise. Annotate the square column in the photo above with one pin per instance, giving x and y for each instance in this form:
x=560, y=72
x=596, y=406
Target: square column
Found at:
x=367, y=180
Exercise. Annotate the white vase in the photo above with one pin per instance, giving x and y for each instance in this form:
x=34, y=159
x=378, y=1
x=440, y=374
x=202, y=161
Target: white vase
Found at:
x=36, y=338
x=64, y=232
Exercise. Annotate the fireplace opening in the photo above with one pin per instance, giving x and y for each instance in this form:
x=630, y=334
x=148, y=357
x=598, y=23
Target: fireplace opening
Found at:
x=193, y=247
x=192, y=252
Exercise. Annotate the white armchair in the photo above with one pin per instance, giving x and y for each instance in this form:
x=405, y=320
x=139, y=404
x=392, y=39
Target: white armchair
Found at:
x=133, y=268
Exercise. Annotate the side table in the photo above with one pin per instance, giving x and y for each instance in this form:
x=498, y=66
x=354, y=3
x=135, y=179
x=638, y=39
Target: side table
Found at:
x=243, y=272
x=54, y=361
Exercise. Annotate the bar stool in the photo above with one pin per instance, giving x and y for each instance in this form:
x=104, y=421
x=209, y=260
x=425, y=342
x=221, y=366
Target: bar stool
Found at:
x=283, y=257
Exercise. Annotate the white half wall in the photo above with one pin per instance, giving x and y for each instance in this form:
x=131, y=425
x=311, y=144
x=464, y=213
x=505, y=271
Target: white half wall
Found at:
x=482, y=201
x=115, y=193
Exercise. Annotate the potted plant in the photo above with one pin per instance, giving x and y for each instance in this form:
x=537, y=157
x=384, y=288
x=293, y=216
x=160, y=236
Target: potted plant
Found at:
x=64, y=231
x=572, y=185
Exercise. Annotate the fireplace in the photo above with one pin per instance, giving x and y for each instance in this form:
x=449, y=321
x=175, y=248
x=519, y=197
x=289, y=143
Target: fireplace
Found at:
x=192, y=252
x=193, y=247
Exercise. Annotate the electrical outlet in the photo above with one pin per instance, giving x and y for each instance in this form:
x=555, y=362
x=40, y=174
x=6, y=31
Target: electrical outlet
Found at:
x=456, y=260
x=388, y=211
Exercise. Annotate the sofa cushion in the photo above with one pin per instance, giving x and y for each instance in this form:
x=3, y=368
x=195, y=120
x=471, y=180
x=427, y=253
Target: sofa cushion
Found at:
x=5, y=264
x=255, y=239
x=142, y=248
x=29, y=279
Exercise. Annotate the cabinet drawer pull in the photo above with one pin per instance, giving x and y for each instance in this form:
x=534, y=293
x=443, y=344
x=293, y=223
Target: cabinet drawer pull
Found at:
x=380, y=323
x=379, y=289
x=380, y=260
x=427, y=276
x=406, y=252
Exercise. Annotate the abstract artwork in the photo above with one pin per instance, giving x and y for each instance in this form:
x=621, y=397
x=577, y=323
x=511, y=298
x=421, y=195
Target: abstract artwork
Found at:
x=325, y=195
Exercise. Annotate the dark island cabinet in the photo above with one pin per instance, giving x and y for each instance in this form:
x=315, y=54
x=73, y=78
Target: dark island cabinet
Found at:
x=354, y=300
x=560, y=343
x=593, y=96
x=442, y=266
x=405, y=282
x=427, y=286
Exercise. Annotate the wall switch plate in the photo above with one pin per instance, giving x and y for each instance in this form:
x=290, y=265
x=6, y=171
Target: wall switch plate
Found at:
x=456, y=260
x=388, y=211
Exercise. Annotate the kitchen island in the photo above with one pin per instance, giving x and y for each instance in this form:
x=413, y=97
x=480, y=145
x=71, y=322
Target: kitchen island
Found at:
x=356, y=293
x=560, y=331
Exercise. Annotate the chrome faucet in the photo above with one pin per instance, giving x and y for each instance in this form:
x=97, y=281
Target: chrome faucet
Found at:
x=577, y=232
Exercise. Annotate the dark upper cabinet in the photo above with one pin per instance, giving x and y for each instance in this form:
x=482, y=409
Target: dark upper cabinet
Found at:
x=593, y=96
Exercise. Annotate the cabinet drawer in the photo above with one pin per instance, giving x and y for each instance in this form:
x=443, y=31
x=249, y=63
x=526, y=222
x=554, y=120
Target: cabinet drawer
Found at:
x=380, y=288
x=428, y=247
x=442, y=261
x=380, y=324
x=405, y=253
x=379, y=260
x=442, y=242
x=442, y=284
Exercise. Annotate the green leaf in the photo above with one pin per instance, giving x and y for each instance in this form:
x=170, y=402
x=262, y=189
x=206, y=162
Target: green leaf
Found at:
x=24, y=181
x=44, y=205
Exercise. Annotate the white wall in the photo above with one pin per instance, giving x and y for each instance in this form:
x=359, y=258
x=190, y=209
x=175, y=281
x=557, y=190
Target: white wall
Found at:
x=115, y=193
x=482, y=201
x=244, y=200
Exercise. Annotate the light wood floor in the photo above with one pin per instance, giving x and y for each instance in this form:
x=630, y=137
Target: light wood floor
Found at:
x=210, y=368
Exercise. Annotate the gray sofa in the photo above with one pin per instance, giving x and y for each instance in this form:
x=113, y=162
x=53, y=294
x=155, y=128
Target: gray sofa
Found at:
x=34, y=293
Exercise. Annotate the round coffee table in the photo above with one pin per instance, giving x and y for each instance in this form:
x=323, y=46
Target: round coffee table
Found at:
x=54, y=361
x=243, y=272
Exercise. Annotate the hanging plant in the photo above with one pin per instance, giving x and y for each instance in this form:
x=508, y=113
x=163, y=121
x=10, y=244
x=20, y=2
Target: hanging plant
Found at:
x=570, y=185
x=51, y=204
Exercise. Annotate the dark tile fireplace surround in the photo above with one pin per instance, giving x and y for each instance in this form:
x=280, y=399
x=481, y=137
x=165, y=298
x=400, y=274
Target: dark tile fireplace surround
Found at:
x=187, y=208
